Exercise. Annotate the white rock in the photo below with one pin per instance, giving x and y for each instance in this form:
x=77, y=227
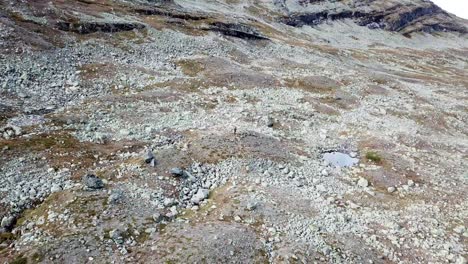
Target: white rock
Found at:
x=353, y=205
x=40, y=220
x=32, y=192
x=150, y=230
x=55, y=188
x=251, y=206
x=201, y=195
x=461, y=260
x=459, y=229
x=149, y=130
x=391, y=189
x=169, y=202
x=7, y=221
x=363, y=182
x=124, y=132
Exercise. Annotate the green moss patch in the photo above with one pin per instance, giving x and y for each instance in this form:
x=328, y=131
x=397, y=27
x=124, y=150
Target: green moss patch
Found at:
x=374, y=157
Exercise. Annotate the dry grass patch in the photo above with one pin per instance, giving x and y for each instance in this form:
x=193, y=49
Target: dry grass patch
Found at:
x=97, y=70
x=373, y=89
x=61, y=150
x=42, y=142
x=191, y=67
x=341, y=100
x=314, y=84
x=53, y=201
x=390, y=169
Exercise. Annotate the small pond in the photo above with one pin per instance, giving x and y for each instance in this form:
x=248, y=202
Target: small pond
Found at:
x=338, y=159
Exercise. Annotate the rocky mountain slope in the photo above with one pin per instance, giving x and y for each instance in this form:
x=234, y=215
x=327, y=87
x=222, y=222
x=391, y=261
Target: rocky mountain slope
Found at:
x=235, y=131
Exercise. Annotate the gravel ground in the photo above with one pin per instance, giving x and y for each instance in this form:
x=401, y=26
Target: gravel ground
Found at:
x=180, y=142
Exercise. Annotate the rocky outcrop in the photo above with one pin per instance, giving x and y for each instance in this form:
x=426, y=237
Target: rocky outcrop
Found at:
x=392, y=16
x=237, y=30
x=171, y=13
x=93, y=27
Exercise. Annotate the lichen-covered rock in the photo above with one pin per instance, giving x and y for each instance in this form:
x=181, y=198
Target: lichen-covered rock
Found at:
x=92, y=182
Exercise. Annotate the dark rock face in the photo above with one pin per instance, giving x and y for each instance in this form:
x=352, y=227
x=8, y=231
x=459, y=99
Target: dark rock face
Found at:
x=237, y=30
x=312, y=19
x=420, y=16
x=161, y=1
x=406, y=18
x=171, y=13
x=305, y=2
x=92, y=27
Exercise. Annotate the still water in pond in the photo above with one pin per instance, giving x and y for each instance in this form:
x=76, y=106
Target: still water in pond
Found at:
x=339, y=159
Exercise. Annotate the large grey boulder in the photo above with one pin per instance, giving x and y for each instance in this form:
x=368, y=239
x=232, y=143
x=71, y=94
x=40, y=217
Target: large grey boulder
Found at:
x=92, y=182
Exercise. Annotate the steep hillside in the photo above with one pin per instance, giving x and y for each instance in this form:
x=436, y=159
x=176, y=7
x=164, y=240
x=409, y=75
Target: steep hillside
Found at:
x=235, y=131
